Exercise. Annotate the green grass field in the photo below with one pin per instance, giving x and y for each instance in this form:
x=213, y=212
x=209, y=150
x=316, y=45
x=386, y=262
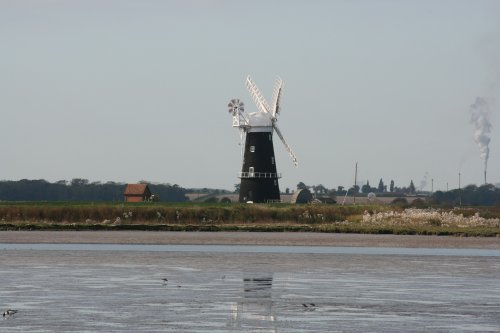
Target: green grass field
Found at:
x=374, y=219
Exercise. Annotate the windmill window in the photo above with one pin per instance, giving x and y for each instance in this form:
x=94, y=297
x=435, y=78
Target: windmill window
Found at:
x=275, y=182
x=250, y=172
x=252, y=149
x=270, y=137
x=272, y=159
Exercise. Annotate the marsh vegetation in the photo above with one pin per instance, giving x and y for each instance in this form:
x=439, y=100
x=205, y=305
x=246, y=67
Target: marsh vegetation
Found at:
x=380, y=219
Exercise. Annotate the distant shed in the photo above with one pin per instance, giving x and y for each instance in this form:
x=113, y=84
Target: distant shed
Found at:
x=137, y=193
x=301, y=196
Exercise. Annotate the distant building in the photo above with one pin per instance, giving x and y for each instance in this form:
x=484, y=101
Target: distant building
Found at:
x=301, y=196
x=137, y=193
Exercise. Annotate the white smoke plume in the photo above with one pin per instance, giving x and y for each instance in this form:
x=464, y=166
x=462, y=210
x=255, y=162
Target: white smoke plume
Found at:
x=480, y=113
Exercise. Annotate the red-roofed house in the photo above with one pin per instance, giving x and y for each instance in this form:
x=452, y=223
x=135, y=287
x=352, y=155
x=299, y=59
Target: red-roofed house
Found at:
x=137, y=193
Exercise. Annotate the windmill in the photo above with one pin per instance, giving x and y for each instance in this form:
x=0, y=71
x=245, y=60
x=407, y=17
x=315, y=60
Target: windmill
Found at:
x=259, y=178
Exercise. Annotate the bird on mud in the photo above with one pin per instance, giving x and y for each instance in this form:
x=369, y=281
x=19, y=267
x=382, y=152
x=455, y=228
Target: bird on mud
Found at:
x=310, y=307
x=9, y=313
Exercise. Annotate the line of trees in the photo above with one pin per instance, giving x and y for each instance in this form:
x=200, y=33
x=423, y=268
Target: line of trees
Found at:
x=365, y=189
x=341, y=190
x=79, y=189
x=381, y=188
x=470, y=195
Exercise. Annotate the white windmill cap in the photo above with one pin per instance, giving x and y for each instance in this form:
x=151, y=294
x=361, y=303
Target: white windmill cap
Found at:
x=260, y=122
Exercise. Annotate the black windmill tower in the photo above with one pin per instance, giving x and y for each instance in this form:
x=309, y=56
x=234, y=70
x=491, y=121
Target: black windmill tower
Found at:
x=259, y=178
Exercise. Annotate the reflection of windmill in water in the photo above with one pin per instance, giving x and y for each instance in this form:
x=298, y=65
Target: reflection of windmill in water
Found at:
x=254, y=310
x=259, y=178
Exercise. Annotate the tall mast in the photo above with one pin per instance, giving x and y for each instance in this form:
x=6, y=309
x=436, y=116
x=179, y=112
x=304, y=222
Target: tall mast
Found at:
x=355, y=181
x=459, y=189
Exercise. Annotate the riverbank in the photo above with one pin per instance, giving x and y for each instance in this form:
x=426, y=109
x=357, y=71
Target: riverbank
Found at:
x=245, y=238
x=359, y=219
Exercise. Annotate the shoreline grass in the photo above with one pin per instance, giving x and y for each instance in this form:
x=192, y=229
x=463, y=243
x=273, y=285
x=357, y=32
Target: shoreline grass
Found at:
x=359, y=229
x=372, y=219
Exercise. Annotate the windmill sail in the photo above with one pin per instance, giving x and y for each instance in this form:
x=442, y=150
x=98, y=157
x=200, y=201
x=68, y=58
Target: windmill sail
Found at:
x=257, y=97
x=275, y=104
x=287, y=146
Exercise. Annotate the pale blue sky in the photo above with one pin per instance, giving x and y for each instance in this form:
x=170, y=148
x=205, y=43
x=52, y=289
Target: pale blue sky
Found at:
x=129, y=90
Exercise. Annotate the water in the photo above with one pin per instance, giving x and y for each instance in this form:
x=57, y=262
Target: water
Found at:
x=74, y=288
x=256, y=249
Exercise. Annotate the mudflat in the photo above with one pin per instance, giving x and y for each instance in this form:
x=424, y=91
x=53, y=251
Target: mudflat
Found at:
x=247, y=238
